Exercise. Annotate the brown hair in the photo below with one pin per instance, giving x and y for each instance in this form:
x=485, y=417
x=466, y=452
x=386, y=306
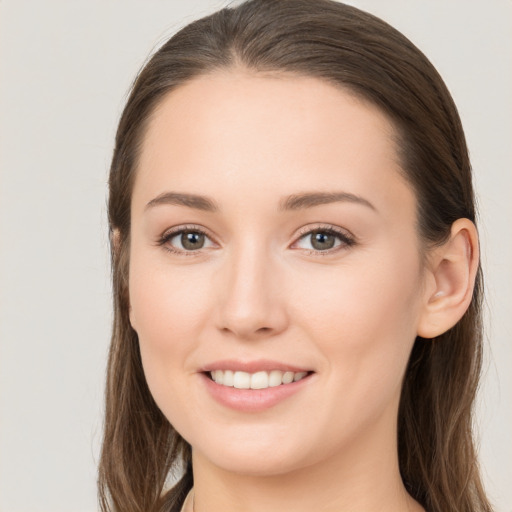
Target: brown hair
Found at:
x=361, y=53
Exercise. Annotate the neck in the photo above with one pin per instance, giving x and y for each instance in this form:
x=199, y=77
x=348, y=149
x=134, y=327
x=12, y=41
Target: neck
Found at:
x=364, y=477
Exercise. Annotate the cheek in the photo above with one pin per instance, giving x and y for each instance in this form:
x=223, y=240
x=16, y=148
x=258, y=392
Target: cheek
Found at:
x=381, y=295
x=167, y=312
x=364, y=322
x=166, y=308
x=166, y=303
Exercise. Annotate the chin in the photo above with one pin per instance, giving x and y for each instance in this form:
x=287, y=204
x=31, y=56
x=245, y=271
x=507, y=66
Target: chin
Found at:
x=247, y=457
x=250, y=464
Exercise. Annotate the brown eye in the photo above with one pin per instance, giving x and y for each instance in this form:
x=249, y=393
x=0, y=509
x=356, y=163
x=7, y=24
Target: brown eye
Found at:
x=324, y=240
x=186, y=241
x=192, y=240
x=321, y=240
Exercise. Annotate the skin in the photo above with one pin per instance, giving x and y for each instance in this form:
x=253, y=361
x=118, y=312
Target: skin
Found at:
x=259, y=289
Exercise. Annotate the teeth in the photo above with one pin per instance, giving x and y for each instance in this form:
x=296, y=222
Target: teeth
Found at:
x=218, y=376
x=228, y=378
x=275, y=378
x=241, y=380
x=287, y=377
x=258, y=380
x=299, y=375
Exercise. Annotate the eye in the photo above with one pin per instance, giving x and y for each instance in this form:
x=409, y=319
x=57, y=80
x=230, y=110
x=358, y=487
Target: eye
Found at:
x=185, y=240
x=325, y=240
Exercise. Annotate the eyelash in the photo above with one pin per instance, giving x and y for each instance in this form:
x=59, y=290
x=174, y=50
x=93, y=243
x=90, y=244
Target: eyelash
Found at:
x=169, y=235
x=346, y=239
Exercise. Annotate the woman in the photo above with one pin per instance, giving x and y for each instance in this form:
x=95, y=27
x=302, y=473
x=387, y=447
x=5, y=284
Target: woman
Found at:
x=296, y=273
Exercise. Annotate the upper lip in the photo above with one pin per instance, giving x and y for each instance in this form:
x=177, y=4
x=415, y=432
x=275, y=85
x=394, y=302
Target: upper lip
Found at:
x=257, y=365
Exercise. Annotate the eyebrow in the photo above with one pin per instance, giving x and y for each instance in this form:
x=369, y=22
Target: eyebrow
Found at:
x=293, y=202
x=183, y=199
x=310, y=199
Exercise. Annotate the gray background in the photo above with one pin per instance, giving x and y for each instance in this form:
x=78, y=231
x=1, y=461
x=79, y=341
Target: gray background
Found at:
x=65, y=68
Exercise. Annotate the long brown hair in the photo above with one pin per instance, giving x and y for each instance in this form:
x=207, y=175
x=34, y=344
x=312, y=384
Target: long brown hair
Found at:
x=359, y=52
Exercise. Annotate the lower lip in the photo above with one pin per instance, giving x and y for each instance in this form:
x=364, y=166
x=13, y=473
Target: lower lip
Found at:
x=253, y=400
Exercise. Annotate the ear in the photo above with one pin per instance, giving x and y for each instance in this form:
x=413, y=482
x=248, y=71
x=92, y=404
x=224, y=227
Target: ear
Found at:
x=115, y=240
x=132, y=318
x=450, y=281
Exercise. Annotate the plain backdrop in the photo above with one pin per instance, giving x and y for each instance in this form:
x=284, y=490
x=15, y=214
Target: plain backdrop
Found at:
x=65, y=69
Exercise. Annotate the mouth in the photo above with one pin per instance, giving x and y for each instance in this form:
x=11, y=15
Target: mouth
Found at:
x=255, y=386
x=256, y=380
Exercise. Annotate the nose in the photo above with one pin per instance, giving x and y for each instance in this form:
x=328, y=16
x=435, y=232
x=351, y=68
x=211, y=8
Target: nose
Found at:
x=251, y=298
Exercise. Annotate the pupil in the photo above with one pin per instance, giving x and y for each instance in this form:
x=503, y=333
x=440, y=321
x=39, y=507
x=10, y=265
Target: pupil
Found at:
x=192, y=240
x=322, y=240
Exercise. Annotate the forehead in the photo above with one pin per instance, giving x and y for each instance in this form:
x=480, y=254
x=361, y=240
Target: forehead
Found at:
x=267, y=133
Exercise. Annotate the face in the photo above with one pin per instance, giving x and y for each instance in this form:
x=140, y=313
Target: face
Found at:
x=273, y=240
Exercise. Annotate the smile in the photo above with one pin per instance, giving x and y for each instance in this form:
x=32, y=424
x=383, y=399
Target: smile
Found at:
x=257, y=380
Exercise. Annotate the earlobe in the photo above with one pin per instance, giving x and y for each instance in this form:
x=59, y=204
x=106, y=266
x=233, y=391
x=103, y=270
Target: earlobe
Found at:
x=452, y=269
x=132, y=318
